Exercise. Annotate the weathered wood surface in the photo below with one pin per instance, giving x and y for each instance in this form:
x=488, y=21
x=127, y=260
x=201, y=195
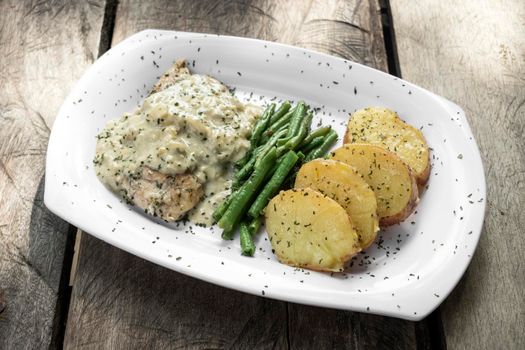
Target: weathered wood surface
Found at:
x=120, y=301
x=473, y=52
x=46, y=46
x=350, y=29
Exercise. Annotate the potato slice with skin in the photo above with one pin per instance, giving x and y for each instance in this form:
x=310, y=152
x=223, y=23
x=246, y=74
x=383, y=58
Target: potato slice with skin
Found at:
x=390, y=179
x=346, y=186
x=307, y=229
x=383, y=127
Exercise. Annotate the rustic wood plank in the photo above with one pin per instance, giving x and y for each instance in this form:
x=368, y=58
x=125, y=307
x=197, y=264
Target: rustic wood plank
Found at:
x=473, y=52
x=349, y=29
x=46, y=46
x=124, y=302
x=318, y=328
x=111, y=306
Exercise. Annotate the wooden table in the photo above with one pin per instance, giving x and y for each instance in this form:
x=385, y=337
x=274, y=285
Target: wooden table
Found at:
x=472, y=52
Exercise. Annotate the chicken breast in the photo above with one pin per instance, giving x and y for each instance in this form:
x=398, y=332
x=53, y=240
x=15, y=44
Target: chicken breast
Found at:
x=168, y=197
x=177, y=72
x=164, y=196
x=173, y=153
x=161, y=195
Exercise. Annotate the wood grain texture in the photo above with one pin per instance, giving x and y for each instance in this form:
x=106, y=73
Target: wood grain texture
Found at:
x=120, y=301
x=473, y=52
x=349, y=29
x=318, y=328
x=45, y=46
x=123, y=302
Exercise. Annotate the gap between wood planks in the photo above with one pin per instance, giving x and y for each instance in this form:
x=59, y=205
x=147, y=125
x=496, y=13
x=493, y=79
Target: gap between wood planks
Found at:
x=71, y=254
x=429, y=332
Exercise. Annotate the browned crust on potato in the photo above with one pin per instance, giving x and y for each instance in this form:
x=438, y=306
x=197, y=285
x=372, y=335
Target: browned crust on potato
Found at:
x=414, y=197
x=422, y=178
x=347, y=138
x=363, y=247
x=409, y=208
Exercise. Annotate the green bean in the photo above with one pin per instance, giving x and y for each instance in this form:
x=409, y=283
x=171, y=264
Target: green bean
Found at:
x=273, y=185
x=283, y=120
x=275, y=137
x=280, y=150
x=273, y=169
x=313, y=144
x=297, y=117
x=283, y=141
x=247, y=169
x=244, y=172
x=245, y=159
x=219, y=211
x=263, y=122
x=303, y=128
x=288, y=138
x=242, y=162
x=227, y=235
x=321, y=151
x=255, y=225
x=279, y=124
x=308, y=122
x=316, y=133
x=265, y=145
x=269, y=145
x=261, y=126
x=294, y=141
x=247, y=191
x=301, y=132
x=280, y=157
x=285, y=107
x=290, y=180
x=247, y=245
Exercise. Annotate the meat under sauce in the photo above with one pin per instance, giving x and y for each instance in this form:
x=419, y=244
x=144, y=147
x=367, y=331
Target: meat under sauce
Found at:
x=173, y=155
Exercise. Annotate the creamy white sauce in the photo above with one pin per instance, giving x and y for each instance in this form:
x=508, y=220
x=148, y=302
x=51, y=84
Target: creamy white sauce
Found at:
x=195, y=126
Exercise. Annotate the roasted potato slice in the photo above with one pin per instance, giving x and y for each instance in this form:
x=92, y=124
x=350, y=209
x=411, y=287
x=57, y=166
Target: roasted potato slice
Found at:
x=390, y=179
x=308, y=229
x=346, y=186
x=383, y=127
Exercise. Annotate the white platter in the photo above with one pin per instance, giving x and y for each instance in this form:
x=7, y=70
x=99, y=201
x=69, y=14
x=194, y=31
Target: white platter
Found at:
x=407, y=273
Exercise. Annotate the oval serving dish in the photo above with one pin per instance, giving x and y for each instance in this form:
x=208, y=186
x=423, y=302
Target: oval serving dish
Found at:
x=408, y=271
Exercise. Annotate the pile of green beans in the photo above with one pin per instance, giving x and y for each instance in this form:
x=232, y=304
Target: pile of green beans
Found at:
x=280, y=142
